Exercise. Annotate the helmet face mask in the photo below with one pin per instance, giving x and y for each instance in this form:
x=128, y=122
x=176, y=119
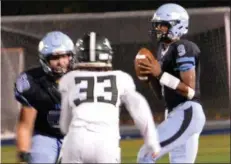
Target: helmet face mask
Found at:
x=172, y=16
x=161, y=30
x=59, y=63
x=51, y=67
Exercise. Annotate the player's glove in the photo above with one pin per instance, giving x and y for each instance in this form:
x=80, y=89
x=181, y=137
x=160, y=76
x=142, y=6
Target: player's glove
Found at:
x=147, y=156
x=24, y=157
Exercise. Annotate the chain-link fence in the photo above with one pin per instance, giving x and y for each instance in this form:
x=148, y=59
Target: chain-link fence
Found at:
x=128, y=32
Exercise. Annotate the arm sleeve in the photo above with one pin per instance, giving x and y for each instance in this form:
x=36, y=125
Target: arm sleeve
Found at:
x=65, y=114
x=139, y=110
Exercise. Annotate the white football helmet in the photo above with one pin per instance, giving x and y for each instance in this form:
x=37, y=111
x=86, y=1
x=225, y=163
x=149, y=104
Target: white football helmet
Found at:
x=175, y=16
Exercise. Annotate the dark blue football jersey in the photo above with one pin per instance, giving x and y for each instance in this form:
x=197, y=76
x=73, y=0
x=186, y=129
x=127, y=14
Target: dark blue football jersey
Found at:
x=35, y=89
x=179, y=56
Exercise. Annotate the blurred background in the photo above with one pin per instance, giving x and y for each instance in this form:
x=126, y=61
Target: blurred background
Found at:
x=126, y=24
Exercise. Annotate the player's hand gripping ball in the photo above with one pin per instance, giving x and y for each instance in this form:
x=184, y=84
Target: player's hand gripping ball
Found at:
x=146, y=64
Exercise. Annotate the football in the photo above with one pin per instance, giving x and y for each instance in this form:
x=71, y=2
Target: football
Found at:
x=145, y=55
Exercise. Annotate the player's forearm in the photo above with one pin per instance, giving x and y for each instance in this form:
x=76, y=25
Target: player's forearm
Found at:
x=148, y=131
x=183, y=89
x=142, y=116
x=23, y=138
x=144, y=121
x=175, y=83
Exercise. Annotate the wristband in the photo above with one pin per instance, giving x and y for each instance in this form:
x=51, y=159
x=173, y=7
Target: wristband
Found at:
x=169, y=80
x=24, y=156
x=172, y=82
x=191, y=93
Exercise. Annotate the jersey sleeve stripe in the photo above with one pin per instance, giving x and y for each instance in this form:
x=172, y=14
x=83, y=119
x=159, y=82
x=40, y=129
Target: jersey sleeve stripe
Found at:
x=185, y=67
x=186, y=60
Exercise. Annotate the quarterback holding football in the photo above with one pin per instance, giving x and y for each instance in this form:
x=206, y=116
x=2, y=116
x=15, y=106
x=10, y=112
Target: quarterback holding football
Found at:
x=177, y=71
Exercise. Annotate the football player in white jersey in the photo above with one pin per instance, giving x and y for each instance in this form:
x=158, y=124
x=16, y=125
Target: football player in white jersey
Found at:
x=91, y=96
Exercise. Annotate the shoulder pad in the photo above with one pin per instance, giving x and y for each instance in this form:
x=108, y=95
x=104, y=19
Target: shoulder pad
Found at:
x=127, y=80
x=36, y=72
x=22, y=83
x=185, y=47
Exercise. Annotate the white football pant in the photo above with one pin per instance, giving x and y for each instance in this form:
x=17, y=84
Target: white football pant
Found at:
x=84, y=146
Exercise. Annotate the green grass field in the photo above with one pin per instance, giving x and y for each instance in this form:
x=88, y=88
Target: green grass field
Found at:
x=213, y=149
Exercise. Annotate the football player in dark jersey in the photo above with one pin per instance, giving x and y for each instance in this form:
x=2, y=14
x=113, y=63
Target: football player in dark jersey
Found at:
x=178, y=73
x=38, y=135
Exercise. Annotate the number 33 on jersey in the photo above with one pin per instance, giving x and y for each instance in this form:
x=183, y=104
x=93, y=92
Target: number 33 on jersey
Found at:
x=96, y=89
x=103, y=87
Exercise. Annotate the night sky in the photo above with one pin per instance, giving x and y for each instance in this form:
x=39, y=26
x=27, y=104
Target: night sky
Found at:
x=82, y=6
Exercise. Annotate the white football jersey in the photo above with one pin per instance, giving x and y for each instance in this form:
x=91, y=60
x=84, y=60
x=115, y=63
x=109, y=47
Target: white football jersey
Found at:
x=94, y=98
